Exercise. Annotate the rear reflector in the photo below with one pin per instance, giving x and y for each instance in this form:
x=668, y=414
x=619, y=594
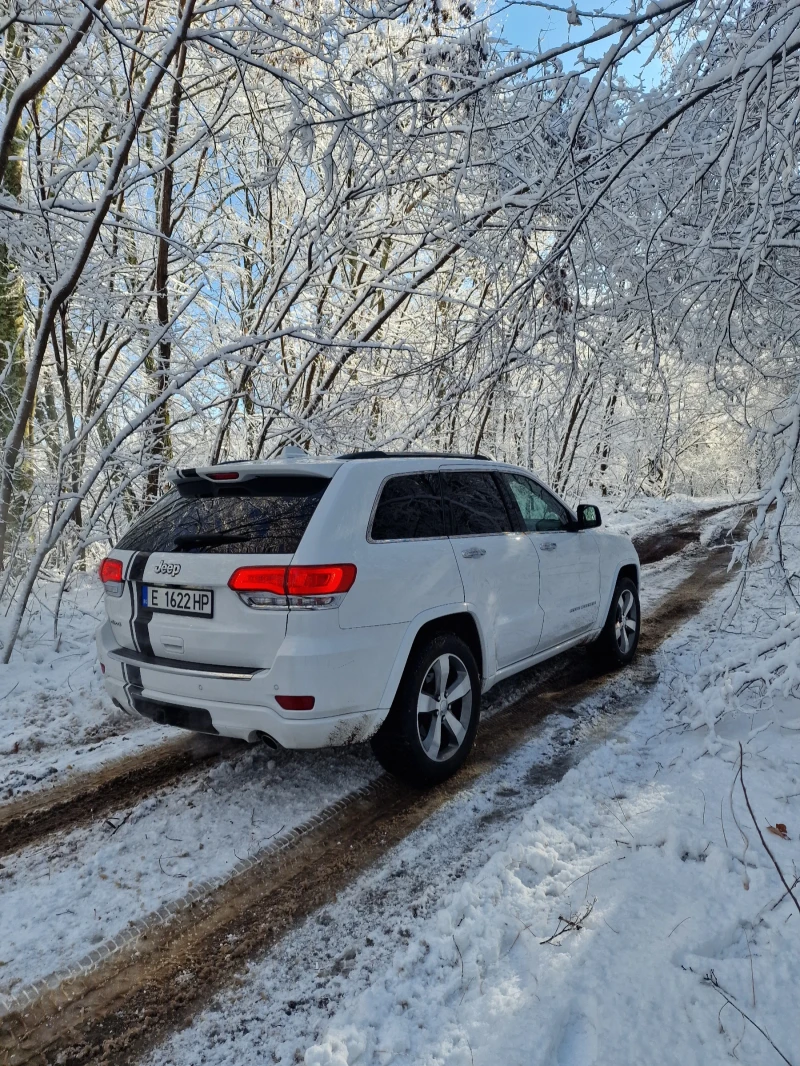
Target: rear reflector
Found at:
x=230, y=475
x=295, y=703
x=110, y=570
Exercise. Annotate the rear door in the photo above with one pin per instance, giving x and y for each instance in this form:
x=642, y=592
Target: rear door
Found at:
x=498, y=565
x=180, y=556
x=569, y=562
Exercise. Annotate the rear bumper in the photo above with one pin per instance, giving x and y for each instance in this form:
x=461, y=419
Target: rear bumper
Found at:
x=237, y=702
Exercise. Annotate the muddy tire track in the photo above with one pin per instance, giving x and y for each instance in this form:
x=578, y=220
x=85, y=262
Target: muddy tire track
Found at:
x=82, y=799
x=78, y=801
x=114, y=1013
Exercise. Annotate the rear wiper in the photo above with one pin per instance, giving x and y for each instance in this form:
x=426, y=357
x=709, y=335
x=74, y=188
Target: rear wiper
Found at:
x=199, y=540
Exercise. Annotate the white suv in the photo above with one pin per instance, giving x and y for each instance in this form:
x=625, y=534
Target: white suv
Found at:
x=321, y=601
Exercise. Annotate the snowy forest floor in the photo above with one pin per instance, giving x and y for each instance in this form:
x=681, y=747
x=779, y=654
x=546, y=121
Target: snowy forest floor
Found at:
x=600, y=895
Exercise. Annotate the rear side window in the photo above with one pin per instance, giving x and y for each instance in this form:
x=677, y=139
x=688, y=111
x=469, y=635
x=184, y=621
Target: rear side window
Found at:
x=266, y=516
x=475, y=505
x=409, y=508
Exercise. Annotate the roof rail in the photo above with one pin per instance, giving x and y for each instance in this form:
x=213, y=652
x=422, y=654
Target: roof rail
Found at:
x=411, y=455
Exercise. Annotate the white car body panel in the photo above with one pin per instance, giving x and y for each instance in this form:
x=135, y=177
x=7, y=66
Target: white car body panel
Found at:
x=524, y=602
x=569, y=584
x=501, y=586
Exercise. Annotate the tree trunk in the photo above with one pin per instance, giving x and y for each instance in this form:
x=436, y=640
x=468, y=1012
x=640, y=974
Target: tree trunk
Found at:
x=161, y=446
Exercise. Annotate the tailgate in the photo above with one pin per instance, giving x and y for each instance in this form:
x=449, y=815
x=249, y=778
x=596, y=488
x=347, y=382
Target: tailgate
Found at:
x=179, y=556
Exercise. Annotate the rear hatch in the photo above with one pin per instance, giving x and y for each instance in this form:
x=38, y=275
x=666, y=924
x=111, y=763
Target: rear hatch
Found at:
x=179, y=556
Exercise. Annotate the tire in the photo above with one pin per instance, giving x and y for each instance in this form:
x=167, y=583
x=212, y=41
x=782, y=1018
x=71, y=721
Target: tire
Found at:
x=617, y=643
x=421, y=741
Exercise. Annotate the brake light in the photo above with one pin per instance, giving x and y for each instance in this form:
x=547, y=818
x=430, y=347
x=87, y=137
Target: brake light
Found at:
x=230, y=475
x=295, y=703
x=320, y=580
x=259, y=579
x=310, y=587
x=111, y=575
x=110, y=570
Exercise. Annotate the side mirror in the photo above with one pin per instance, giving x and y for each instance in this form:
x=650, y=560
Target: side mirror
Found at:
x=588, y=516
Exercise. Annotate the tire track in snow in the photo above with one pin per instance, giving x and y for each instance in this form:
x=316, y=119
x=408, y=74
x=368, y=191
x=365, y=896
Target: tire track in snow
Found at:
x=167, y=968
x=83, y=799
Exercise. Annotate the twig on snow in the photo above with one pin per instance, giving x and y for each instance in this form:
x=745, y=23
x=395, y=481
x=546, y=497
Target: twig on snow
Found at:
x=745, y=838
x=786, y=884
x=680, y=923
x=119, y=824
x=460, y=956
x=747, y=1018
x=167, y=873
x=602, y=864
x=752, y=972
x=778, y=902
x=571, y=924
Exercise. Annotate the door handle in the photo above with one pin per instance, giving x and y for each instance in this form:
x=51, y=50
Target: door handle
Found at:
x=548, y=546
x=473, y=553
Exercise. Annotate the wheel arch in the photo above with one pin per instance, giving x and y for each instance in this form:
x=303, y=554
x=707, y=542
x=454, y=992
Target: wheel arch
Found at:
x=620, y=568
x=462, y=623
x=630, y=570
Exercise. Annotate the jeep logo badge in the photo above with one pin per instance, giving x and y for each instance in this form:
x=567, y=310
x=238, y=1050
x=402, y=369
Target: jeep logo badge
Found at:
x=171, y=569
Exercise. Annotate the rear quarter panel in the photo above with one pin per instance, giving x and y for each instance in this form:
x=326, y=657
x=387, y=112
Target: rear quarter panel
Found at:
x=396, y=580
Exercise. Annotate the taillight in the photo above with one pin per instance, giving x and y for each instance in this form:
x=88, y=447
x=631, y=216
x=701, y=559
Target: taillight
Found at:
x=259, y=579
x=307, y=587
x=320, y=580
x=111, y=575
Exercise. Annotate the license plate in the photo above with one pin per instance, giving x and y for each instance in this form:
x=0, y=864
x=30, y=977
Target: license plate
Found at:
x=177, y=600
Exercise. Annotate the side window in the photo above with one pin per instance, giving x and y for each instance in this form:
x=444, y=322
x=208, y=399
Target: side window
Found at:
x=541, y=512
x=409, y=508
x=475, y=505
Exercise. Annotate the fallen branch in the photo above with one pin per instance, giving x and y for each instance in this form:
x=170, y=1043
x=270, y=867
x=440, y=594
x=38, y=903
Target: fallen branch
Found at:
x=747, y=1018
x=118, y=825
x=777, y=903
x=567, y=925
x=786, y=884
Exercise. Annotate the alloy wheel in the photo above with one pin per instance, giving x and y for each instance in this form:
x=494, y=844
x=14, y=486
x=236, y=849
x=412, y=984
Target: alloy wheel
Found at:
x=625, y=621
x=444, y=707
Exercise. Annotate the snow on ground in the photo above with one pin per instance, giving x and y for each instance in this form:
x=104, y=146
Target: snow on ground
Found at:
x=55, y=716
x=62, y=898
x=629, y=914
x=650, y=514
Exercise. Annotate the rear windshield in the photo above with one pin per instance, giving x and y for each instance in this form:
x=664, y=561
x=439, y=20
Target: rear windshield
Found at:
x=267, y=515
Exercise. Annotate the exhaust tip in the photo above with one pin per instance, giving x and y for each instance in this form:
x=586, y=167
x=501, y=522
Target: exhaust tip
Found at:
x=265, y=738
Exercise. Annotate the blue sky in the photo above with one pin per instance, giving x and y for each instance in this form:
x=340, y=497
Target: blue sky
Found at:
x=523, y=25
